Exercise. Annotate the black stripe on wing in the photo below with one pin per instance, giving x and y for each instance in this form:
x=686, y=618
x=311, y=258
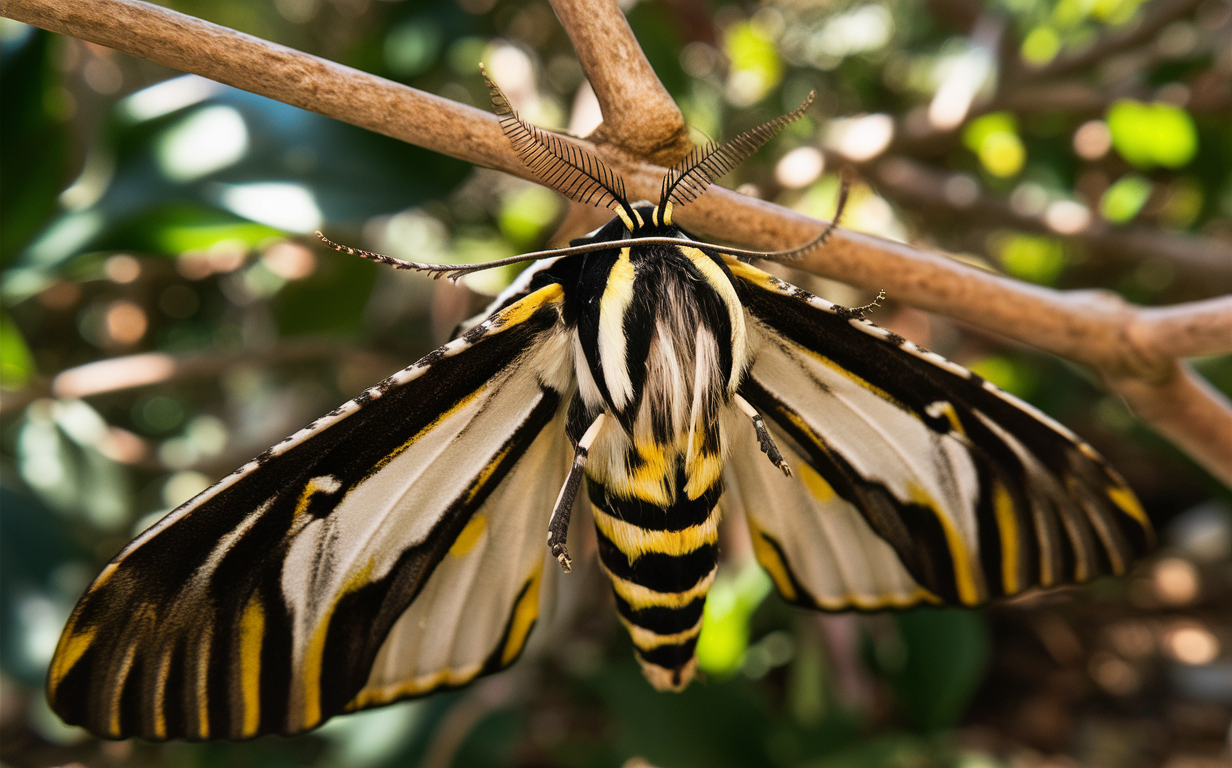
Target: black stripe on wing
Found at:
x=188, y=628
x=1066, y=515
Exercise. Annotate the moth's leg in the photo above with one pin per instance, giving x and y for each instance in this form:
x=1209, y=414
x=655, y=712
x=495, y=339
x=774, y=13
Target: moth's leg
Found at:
x=763, y=436
x=558, y=526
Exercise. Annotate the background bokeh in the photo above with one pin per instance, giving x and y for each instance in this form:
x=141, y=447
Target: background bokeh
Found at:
x=167, y=315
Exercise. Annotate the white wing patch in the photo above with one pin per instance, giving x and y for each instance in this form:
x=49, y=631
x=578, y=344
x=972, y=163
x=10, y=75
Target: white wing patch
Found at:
x=817, y=548
x=883, y=442
x=480, y=602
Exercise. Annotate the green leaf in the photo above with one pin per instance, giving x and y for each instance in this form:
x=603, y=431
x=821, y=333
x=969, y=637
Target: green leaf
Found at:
x=1122, y=201
x=755, y=64
x=725, y=622
x=1147, y=135
x=1041, y=45
x=946, y=653
x=1034, y=258
x=1013, y=375
x=16, y=363
x=526, y=213
x=994, y=139
x=413, y=46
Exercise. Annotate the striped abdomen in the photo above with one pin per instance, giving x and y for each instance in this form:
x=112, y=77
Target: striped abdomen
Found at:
x=661, y=561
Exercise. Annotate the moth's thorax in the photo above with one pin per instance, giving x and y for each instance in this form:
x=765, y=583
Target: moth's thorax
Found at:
x=662, y=348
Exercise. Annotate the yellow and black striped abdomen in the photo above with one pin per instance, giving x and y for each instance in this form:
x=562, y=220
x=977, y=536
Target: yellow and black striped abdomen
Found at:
x=661, y=561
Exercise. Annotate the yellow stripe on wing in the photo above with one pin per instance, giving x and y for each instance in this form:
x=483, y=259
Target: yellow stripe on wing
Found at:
x=73, y=643
x=315, y=651
x=252, y=635
x=524, y=615
x=1007, y=526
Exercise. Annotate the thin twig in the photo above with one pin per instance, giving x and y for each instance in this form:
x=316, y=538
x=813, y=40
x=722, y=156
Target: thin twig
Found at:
x=1154, y=17
x=1204, y=261
x=1087, y=327
x=639, y=116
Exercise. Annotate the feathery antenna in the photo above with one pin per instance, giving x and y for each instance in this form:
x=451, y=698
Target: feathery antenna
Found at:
x=560, y=165
x=690, y=178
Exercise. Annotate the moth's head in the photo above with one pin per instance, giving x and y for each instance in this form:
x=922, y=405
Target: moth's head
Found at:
x=647, y=220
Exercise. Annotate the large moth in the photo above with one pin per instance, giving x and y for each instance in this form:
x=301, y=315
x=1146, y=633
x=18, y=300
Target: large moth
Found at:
x=395, y=546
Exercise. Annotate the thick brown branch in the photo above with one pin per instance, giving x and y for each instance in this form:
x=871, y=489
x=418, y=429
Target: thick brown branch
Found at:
x=1185, y=330
x=1087, y=327
x=639, y=116
x=1187, y=410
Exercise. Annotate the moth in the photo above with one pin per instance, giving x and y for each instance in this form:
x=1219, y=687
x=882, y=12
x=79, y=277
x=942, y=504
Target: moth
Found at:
x=394, y=547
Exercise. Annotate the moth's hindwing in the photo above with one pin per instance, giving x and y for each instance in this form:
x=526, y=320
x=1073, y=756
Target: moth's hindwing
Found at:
x=978, y=494
x=391, y=548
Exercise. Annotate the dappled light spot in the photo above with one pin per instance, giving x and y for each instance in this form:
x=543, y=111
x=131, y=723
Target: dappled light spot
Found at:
x=1092, y=140
x=290, y=261
x=1147, y=135
x=860, y=138
x=799, y=167
x=168, y=96
x=208, y=140
x=126, y=323
x=1192, y=644
x=122, y=268
x=994, y=139
x=1067, y=217
x=291, y=207
x=1176, y=581
x=1125, y=198
x=113, y=374
x=1114, y=675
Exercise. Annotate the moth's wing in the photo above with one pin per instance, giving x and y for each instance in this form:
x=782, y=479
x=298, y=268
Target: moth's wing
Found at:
x=261, y=605
x=979, y=494
x=477, y=608
x=817, y=547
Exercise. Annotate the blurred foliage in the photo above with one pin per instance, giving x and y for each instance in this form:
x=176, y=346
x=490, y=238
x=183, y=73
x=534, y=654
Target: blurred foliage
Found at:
x=145, y=213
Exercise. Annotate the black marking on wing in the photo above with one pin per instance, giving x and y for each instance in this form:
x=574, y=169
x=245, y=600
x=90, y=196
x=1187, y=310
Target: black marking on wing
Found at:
x=912, y=529
x=1061, y=517
x=138, y=606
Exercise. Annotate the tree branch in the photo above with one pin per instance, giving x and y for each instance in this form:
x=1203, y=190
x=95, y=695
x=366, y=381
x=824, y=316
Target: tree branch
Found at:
x=1132, y=348
x=639, y=116
x=1185, y=330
